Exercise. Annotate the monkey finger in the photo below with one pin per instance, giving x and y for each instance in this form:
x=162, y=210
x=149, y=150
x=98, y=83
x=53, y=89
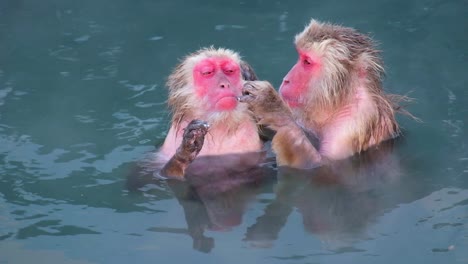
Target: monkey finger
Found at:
x=197, y=124
x=248, y=94
x=205, y=127
x=246, y=98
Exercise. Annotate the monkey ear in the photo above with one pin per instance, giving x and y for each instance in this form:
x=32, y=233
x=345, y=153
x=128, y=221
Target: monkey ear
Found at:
x=247, y=71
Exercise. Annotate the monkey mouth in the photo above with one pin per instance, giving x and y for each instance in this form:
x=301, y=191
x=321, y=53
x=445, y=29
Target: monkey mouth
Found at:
x=226, y=102
x=226, y=97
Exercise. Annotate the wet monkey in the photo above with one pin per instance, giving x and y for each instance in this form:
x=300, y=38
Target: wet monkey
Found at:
x=333, y=95
x=207, y=118
x=212, y=154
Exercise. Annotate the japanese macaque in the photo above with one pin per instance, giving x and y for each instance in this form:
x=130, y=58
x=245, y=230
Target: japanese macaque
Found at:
x=207, y=118
x=331, y=104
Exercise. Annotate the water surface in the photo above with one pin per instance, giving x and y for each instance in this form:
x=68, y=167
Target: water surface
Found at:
x=82, y=99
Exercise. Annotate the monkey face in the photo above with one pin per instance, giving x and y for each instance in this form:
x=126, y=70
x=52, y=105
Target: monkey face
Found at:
x=218, y=82
x=297, y=82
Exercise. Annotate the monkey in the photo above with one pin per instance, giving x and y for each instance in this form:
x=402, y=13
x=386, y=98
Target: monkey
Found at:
x=207, y=118
x=212, y=158
x=331, y=104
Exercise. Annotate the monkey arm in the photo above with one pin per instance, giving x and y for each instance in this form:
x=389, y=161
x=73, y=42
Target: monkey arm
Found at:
x=192, y=143
x=290, y=143
x=294, y=149
x=176, y=166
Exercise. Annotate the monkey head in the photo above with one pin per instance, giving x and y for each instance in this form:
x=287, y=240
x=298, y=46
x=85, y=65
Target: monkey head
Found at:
x=207, y=83
x=330, y=59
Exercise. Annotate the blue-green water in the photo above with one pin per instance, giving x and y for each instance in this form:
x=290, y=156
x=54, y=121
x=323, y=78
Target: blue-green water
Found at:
x=82, y=99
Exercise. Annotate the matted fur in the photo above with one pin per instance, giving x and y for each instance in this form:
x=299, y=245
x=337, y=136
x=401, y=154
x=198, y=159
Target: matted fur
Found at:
x=182, y=100
x=350, y=61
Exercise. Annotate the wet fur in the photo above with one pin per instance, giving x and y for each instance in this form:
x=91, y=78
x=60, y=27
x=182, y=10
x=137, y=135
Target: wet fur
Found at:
x=185, y=106
x=229, y=132
x=347, y=101
x=350, y=62
x=289, y=139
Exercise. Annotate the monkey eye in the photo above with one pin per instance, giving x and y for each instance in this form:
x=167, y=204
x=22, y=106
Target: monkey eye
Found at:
x=206, y=73
x=228, y=71
x=246, y=93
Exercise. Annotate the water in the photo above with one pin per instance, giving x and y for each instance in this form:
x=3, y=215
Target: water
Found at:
x=82, y=99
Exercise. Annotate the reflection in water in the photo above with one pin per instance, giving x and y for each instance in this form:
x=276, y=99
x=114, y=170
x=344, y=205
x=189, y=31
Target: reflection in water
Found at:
x=82, y=97
x=217, y=206
x=214, y=195
x=337, y=202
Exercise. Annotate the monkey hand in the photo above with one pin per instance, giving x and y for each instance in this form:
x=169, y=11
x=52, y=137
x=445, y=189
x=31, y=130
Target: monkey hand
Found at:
x=266, y=104
x=193, y=138
x=192, y=143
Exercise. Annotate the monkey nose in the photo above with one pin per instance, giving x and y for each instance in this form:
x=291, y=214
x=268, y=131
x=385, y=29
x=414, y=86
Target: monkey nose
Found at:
x=285, y=81
x=224, y=85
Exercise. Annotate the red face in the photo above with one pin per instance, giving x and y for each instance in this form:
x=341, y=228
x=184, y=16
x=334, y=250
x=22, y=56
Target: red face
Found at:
x=219, y=81
x=296, y=82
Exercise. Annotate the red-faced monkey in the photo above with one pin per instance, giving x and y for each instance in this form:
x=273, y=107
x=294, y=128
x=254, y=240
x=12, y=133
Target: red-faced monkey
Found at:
x=206, y=116
x=333, y=94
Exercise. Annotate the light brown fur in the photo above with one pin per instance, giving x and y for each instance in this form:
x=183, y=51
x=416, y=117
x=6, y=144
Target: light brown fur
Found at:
x=230, y=131
x=184, y=105
x=344, y=106
x=290, y=143
x=352, y=77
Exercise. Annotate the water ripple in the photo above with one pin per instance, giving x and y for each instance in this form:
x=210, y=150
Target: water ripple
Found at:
x=140, y=89
x=52, y=228
x=20, y=152
x=131, y=126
